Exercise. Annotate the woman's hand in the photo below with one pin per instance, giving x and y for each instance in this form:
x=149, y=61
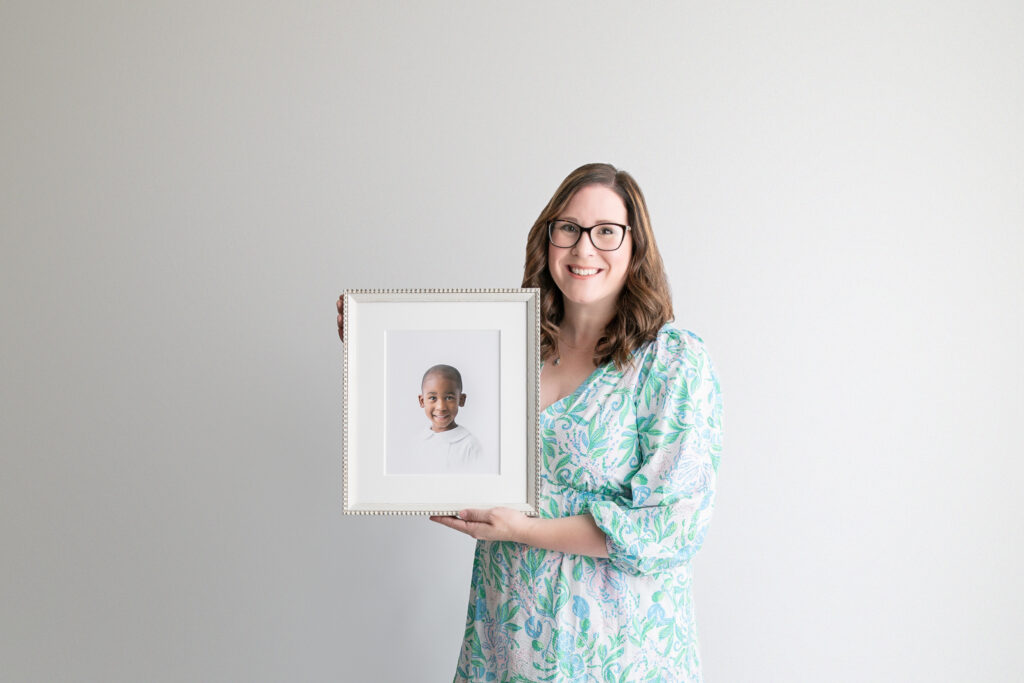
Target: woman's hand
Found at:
x=341, y=317
x=495, y=524
x=576, y=534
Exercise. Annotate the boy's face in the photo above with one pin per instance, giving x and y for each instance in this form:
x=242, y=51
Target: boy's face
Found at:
x=440, y=400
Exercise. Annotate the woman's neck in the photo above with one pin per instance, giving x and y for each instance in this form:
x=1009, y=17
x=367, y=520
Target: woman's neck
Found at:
x=581, y=326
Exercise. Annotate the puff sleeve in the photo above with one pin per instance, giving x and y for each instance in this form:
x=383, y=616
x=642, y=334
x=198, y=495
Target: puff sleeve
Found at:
x=661, y=521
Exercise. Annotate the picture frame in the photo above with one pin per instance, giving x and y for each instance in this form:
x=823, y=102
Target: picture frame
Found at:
x=441, y=400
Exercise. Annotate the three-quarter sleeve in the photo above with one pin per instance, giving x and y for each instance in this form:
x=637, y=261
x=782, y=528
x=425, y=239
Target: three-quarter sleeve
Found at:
x=662, y=522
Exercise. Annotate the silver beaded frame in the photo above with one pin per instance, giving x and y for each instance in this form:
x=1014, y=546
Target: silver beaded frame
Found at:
x=531, y=297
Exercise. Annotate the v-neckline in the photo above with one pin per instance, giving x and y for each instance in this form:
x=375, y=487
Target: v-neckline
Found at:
x=578, y=389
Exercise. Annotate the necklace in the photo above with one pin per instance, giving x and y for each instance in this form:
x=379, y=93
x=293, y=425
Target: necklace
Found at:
x=558, y=357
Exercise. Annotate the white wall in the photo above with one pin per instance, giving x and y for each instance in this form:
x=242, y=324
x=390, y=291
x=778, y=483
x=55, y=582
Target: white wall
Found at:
x=837, y=189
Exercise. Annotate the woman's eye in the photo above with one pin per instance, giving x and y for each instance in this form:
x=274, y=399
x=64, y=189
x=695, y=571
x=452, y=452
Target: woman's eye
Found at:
x=568, y=228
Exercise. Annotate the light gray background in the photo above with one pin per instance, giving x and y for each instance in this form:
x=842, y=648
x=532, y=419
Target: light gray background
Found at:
x=838, y=192
x=475, y=354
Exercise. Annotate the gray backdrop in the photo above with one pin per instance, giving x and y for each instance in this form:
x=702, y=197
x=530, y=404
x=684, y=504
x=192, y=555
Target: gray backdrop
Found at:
x=186, y=187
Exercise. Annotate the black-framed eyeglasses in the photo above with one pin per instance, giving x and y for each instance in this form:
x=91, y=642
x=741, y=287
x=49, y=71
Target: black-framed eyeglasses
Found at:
x=604, y=236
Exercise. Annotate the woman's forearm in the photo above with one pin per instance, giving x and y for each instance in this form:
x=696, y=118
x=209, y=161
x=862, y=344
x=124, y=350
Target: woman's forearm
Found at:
x=578, y=535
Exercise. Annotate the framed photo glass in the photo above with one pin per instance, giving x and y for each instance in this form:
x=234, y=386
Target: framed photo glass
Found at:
x=441, y=400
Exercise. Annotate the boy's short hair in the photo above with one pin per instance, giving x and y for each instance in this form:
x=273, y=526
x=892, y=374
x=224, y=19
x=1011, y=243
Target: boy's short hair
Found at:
x=445, y=371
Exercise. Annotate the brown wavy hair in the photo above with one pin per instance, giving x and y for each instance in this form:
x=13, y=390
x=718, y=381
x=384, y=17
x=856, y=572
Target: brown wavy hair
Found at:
x=645, y=303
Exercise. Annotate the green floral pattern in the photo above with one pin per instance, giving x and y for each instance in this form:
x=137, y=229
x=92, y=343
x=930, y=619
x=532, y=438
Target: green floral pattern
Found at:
x=638, y=450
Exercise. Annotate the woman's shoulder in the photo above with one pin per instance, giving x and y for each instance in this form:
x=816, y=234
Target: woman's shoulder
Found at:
x=674, y=355
x=673, y=340
x=672, y=347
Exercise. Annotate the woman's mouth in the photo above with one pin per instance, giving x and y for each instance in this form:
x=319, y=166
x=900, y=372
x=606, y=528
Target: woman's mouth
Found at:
x=577, y=271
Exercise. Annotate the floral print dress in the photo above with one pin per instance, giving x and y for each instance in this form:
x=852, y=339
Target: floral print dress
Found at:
x=638, y=449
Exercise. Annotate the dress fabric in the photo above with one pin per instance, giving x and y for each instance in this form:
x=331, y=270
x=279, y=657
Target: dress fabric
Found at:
x=638, y=449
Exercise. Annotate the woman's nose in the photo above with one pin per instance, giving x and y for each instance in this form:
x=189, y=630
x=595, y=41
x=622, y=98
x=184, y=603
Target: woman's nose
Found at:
x=584, y=246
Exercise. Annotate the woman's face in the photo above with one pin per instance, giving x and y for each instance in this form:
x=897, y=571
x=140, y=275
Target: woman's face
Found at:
x=586, y=275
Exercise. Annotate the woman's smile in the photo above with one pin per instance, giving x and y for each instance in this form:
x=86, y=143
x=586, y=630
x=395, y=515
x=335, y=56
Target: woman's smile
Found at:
x=583, y=273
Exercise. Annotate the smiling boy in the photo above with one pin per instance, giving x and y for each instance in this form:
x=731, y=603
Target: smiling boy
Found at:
x=447, y=445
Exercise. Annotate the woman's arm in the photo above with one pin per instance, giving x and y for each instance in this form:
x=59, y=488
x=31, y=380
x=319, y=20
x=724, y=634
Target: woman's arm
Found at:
x=577, y=534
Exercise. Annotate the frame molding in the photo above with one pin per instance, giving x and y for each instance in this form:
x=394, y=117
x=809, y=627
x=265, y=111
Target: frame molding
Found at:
x=530, y=297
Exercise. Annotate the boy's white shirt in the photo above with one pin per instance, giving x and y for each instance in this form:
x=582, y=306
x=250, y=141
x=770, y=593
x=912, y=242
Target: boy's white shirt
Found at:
x=454, y=450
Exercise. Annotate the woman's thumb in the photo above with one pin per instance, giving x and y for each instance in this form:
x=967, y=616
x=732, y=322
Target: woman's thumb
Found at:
x=473, y=515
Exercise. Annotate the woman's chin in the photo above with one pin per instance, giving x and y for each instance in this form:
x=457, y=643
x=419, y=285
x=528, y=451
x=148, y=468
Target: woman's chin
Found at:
x=588, y=299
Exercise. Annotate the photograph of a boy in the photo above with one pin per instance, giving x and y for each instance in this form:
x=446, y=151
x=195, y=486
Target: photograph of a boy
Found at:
x=446, y=446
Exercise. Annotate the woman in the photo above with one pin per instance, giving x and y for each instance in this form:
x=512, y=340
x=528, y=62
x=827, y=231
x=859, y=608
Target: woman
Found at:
x=597, y=588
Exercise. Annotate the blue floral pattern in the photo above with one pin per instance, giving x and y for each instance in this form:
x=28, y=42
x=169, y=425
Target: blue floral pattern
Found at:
x=638, y=449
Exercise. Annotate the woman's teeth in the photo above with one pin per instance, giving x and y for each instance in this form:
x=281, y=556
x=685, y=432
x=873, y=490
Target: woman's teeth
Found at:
x=583, y=271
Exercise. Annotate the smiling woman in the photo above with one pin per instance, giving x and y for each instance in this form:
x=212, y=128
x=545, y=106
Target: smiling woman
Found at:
x=598, y=587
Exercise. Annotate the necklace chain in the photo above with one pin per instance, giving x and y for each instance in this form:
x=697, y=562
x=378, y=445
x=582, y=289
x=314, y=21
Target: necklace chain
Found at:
x=558, y=358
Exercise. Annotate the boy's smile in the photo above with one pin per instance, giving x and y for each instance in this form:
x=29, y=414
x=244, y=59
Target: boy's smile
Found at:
x=441, y=399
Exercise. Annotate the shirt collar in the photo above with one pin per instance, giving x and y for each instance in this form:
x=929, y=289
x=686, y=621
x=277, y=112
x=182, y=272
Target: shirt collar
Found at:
x=451, y=436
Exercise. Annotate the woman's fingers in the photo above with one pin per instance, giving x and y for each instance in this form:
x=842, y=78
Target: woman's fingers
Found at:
x=475, y=515
x=451, y=523
x=495, y=524
x=475, y=523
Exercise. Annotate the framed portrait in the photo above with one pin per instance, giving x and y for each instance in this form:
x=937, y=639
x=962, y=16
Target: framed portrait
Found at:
x=441, y=400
